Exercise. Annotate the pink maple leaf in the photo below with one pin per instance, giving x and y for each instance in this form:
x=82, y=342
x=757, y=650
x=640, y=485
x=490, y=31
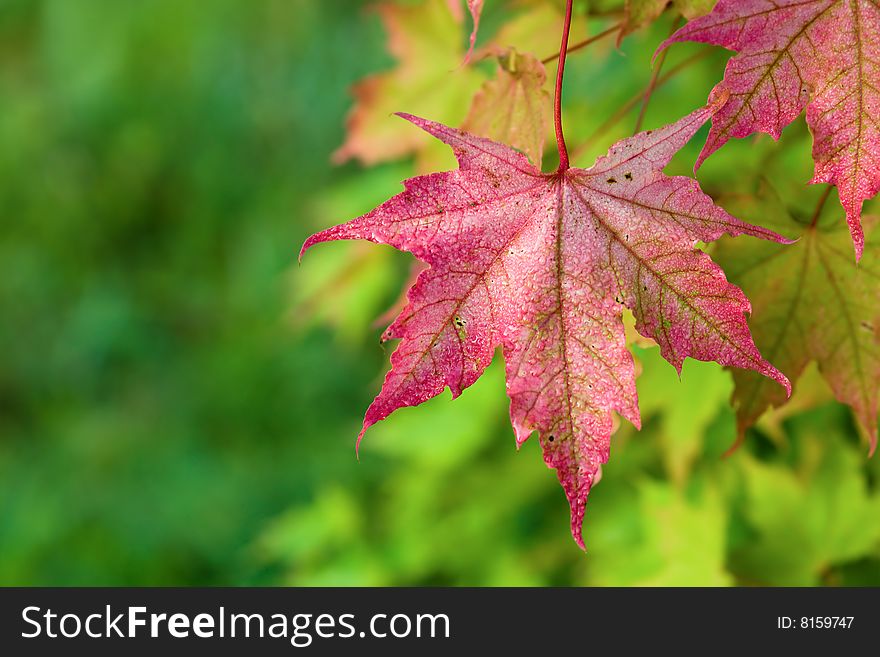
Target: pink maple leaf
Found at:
x=543, y=265
x=822, y=55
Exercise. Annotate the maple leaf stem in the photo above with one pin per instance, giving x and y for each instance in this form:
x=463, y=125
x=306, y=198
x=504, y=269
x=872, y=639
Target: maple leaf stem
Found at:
x=820, y=206
x=557, y=106
x=652, y=85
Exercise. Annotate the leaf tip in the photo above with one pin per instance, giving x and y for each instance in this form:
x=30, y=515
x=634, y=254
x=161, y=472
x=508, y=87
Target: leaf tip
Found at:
x=782, y=380
x=357, y=445
x=428, y=126
x=431, y=127
x=520, y=433
x=327, y=235
x=737, y=442
x=305, y=247
x=578, y=504
x=858, y=244
x=769, y=235
x=577, y=529
x=677, y=362
x=636, y=421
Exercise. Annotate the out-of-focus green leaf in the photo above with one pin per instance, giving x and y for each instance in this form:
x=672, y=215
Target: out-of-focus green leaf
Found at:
x=683, y=423
x=680, y=541
x=453, y=434
x=808, y=520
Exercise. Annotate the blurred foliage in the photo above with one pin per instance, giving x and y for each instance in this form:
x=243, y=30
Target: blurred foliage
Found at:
x=179, y=399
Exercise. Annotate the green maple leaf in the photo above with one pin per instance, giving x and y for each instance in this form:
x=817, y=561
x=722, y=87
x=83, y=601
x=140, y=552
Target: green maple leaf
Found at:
x=822, y=503
x=810, y=301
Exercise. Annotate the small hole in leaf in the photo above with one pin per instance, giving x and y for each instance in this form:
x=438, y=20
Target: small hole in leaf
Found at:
x=551, y=438
x=628, y=176
x=611, y=181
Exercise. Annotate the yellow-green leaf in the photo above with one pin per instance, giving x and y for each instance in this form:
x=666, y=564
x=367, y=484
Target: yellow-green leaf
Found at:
x=513, y=107
x=429, y=80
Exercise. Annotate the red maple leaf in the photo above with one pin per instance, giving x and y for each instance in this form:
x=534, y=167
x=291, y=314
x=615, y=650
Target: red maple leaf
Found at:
x=543, y=265
x=822, y=55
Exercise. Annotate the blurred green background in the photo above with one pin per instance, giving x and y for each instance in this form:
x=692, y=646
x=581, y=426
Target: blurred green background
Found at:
x=179, y=399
